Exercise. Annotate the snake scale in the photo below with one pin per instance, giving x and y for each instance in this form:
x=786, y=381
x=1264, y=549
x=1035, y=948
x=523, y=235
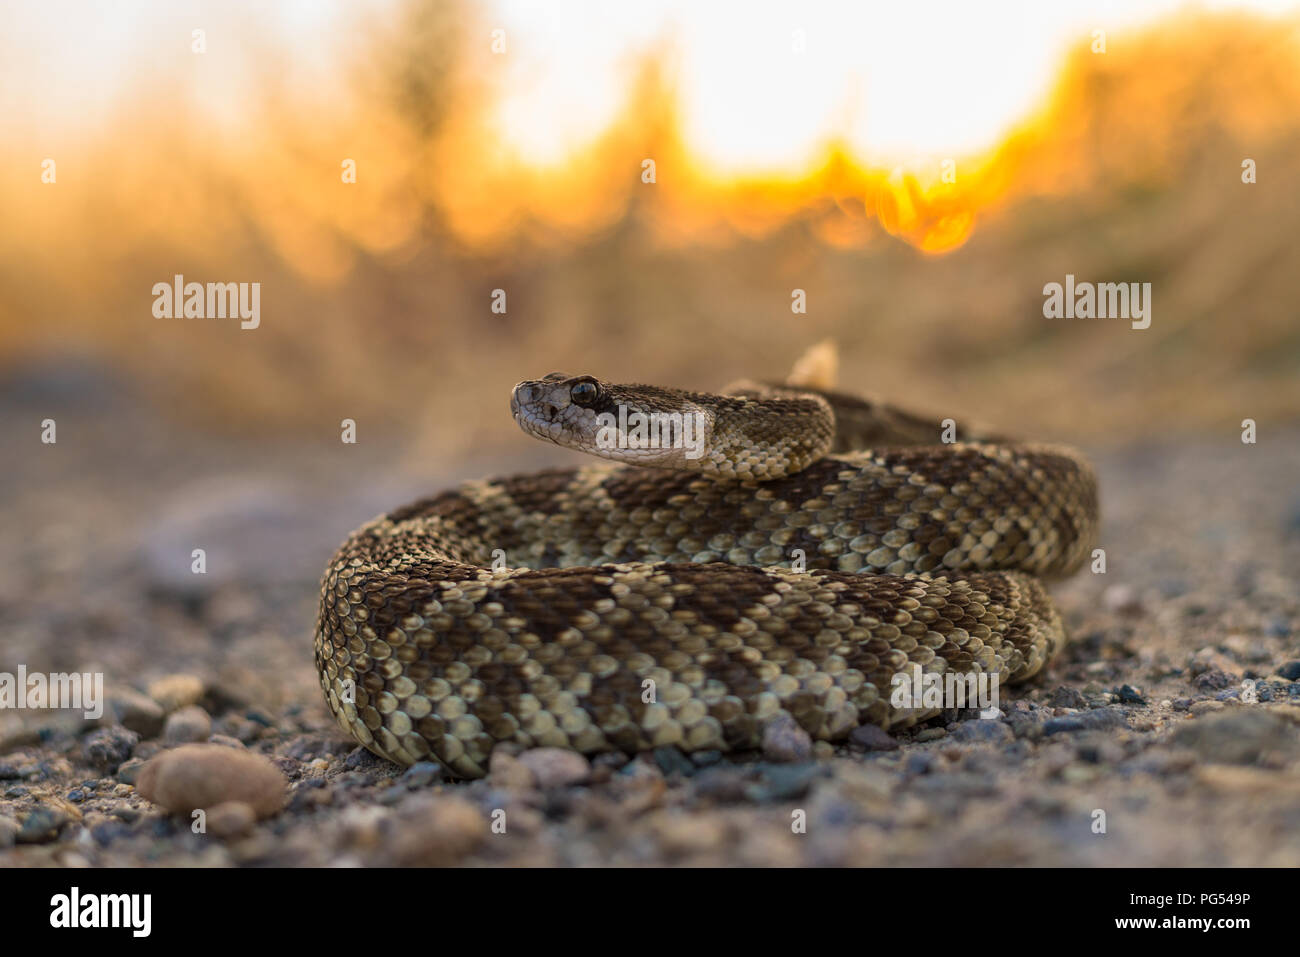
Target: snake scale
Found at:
x=814, y=546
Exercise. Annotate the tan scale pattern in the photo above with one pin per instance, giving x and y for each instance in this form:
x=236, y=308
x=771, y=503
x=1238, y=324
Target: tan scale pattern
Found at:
x=645, y=607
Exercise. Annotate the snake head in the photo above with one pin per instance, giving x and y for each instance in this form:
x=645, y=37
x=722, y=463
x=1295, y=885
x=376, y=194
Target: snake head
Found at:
x=631, y=424
x=559, y=408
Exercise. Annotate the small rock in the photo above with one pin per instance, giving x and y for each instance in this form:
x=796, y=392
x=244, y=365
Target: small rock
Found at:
x=1100, y=719
x=187, y=725
x=870, y=737
x=436, y=832
x=422, y=774
x=106, y=748
x=130, y=770
x=8, y=831
x=785, y=742
x=705, y=759
x=359, y=759
x=136, y=712
x=1211, y=659
x=680, y=835
x=671, y=760
x=41, y=826
x=556, y=767
x=784, y=782
x=19, y=738
x=1122, y=600
x=507, y=772
x=1240, y=736
x=1127, y=694
x=1066, y=697
x=1098, y=748
x=919, y=762
x=106, y=833
x=929, y=734
x=985, y=732
x=1215, y=680
x=1290, y=671
x=231, y=819
x=205, y=775
x=722, y=784
x=176, y=691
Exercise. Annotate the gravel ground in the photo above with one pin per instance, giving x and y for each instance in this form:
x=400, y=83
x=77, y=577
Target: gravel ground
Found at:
x=1168, y=733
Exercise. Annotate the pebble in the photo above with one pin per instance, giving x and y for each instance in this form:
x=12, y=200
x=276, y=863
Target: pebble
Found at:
x=359, y=759
x=1099, y=748
x=8, y=831
x=176, y=691
x=422, y=774
x=231, y=819
x=870, y=737
x=1099, y=719
x=681, y=835
x=1067, y=697
x=205, y=775
x=919, y=762
x=130, y=770
x=1239, y=736
x=722, y=784
x=1122, y=600
x=41, y=825
x=671, y=760
x=1214, y=680
x=137, y=712
x=556, y=767
x=108, y=832
x=784, y=782
x=507, y=772
x=784, y=741
x=984, y=732
x=1211, y=659
x=930, y=734
x=1290, y=671
x=1127, y=694
x=187, y=725
x=106, y=748
x=436, y=832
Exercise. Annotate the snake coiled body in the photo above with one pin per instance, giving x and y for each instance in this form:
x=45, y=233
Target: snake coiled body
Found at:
x=815, y=547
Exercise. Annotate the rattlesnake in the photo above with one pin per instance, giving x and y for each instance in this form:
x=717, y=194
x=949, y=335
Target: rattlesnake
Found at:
x=819, y=545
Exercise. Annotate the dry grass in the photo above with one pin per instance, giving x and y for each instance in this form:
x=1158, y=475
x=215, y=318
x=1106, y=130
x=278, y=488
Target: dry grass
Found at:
x=376, y=297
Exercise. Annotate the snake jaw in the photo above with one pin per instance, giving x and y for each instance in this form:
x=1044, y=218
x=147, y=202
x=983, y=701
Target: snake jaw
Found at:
x=541, y=407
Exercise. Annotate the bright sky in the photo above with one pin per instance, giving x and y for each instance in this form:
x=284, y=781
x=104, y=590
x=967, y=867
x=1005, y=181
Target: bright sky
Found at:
x=898, y=80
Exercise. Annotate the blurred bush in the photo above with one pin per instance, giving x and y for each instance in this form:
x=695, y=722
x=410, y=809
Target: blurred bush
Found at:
x=376, y=296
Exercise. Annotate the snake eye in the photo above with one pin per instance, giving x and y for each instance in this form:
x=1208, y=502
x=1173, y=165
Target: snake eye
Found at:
x=584, y=393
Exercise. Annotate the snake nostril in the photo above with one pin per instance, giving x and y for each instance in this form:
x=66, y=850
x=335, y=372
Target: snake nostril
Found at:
x=521, y=395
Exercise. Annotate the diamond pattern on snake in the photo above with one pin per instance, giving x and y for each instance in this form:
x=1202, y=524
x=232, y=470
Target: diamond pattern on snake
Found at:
x=779, y=550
